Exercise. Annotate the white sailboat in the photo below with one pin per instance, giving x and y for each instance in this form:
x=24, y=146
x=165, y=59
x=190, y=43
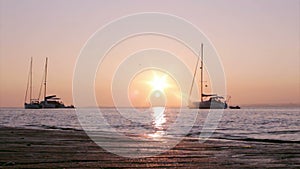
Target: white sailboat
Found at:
x=207, y=101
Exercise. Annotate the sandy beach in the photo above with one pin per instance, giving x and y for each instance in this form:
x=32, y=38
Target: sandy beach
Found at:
x=31, y=148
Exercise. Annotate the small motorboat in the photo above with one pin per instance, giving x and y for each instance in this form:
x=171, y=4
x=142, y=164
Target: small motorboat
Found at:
x=234, y=107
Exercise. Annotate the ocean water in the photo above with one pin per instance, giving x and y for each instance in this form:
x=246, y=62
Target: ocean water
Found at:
x=261, y=125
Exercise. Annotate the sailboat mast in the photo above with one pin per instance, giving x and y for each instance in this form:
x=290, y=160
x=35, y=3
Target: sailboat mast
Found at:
x=30, y=83
x=194, y=78
x=45, y=80
x=28, y=86
x=201, y=72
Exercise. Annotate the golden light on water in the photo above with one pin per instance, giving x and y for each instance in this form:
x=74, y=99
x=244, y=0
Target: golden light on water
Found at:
x=157, y=90
x=158, y=122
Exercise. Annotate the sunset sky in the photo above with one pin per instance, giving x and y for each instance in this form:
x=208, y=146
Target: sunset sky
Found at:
x=258, y=43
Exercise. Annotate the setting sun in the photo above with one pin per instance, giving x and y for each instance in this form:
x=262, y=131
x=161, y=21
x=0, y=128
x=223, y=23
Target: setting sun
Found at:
x=159, y=82
x=154, y=88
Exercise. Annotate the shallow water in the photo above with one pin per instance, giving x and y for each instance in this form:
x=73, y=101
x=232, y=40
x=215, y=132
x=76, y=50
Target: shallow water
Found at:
x=278, y=125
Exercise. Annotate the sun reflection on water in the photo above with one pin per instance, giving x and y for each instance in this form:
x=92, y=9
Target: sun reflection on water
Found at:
x=159, y=120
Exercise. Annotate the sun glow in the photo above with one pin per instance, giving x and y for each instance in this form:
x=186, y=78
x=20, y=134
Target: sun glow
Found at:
x=159, y=83
x=154, y=88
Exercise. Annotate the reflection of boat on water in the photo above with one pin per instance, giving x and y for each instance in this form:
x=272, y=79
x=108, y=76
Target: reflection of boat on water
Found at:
x=49, y=101
x=208, y=101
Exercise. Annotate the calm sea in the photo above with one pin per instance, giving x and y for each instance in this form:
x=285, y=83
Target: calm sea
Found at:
x=266, y=124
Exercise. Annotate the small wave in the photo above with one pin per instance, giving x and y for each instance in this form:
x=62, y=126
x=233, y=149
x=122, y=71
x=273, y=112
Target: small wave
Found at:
x=284, y=132
x=54, y=127
x=259, y=140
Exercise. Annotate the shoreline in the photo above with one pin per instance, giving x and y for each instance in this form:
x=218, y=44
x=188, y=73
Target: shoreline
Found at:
x=34, y=148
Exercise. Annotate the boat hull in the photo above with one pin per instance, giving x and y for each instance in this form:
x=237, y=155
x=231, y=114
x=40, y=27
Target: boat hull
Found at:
x=50, y=105
x=234, y=107
x=32, y=106
x=208, y=105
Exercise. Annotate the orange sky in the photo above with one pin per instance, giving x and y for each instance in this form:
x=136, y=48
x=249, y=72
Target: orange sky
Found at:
x=257, y=41
x=160, y=51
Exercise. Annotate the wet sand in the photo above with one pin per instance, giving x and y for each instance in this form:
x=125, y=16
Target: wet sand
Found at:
x=30, y=148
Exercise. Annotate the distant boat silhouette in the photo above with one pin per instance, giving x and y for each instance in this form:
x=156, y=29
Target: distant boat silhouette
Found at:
x=207, y=101
x=234, y=107
x=49, y=101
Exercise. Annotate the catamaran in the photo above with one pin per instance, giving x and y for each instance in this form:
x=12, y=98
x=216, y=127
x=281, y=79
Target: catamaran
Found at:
x=207, y=101
x=49, y=101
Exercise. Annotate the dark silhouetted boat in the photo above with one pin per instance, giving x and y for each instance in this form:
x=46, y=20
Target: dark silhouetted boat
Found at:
x=207, y=101
x=49, y=101
x=234, y=107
